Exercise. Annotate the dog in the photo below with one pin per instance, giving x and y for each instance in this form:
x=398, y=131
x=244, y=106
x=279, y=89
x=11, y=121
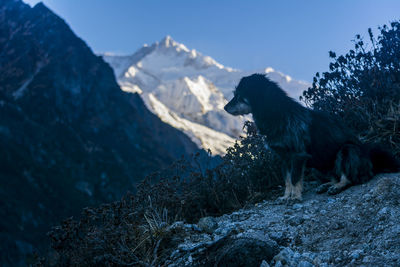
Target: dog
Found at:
x=305, y=138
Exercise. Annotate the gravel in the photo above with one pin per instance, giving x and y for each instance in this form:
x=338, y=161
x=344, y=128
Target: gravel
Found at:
x=360, y=226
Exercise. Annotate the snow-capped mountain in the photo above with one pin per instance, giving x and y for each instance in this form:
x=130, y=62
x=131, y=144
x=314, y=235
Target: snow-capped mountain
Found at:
x=188, y=90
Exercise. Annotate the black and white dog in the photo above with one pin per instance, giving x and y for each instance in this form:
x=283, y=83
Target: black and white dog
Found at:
x=307, y=138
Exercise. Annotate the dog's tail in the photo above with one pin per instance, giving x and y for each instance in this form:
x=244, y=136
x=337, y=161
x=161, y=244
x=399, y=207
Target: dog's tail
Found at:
x=360, y=162
x=383, y=161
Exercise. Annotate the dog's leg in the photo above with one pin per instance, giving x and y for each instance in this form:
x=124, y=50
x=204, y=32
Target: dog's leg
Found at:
x=347, y=166
x=340, y=186
x=288, y=186
x=297, y=190
x=299, y=164
x=324, y=187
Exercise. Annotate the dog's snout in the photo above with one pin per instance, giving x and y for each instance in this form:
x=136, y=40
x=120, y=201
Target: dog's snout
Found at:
x=226, y=107
x=236, y=107
x=229, y=108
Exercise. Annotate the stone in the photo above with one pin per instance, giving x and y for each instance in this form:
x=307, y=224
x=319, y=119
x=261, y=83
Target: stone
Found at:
x=241, y=252
x=356, y=254
x=305, y=264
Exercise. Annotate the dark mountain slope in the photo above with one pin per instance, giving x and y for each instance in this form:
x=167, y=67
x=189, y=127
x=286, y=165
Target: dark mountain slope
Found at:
x=69, y=137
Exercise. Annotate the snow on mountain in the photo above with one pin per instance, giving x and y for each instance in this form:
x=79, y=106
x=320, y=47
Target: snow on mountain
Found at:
x=188, y=90
x=201, y=135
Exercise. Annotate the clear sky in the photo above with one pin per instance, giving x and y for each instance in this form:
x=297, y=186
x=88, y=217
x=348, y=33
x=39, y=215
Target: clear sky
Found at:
x=292, y=36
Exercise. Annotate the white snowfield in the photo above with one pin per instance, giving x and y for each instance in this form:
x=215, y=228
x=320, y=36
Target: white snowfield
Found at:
x=189, y=90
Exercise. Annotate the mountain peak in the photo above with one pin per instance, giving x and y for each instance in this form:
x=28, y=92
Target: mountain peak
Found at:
x=167, y=43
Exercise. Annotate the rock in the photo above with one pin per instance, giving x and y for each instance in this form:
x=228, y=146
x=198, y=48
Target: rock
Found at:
x=297, y=206
x=383, y=211
x=367, y=259
x=242, y=252
x=331, y=200
x=226, y=229
x=264, y=264
x=177, y=225
x=367, y=196
x=284, y=256
x=277, y=236
x=387, y=190
x=208, y=224
x=305, y=264
x=295, y=220
x=324, y=256
x=288, y=257
x=356, y=254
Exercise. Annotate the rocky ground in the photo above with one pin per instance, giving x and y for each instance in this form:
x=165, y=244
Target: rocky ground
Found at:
x=358, y=227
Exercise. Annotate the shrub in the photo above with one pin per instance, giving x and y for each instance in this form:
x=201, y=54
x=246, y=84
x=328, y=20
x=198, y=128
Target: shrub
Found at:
x=363, y=87
x=137, y=230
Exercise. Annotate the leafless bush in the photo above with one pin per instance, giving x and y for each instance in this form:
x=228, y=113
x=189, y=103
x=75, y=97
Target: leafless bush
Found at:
x=136, y=230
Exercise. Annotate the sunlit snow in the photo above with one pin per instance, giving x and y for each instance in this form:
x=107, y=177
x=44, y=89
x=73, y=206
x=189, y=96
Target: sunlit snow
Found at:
x=189, y=90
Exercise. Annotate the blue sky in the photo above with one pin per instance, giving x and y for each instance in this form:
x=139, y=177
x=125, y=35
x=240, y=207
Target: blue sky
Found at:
x=293, y=36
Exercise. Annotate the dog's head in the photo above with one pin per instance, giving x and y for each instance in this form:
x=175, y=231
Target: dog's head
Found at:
x=239, y=105
x=243, y=94
x=254, y=92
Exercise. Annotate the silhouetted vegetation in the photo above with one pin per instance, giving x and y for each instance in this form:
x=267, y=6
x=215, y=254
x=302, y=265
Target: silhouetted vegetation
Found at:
x=137, y=230
x=363, y=87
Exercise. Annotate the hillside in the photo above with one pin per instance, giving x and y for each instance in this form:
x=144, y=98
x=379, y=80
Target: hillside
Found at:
x=69, y=136
x=359, y=227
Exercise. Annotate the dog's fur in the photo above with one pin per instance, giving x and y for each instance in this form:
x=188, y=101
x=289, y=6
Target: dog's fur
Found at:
x=307, y=138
